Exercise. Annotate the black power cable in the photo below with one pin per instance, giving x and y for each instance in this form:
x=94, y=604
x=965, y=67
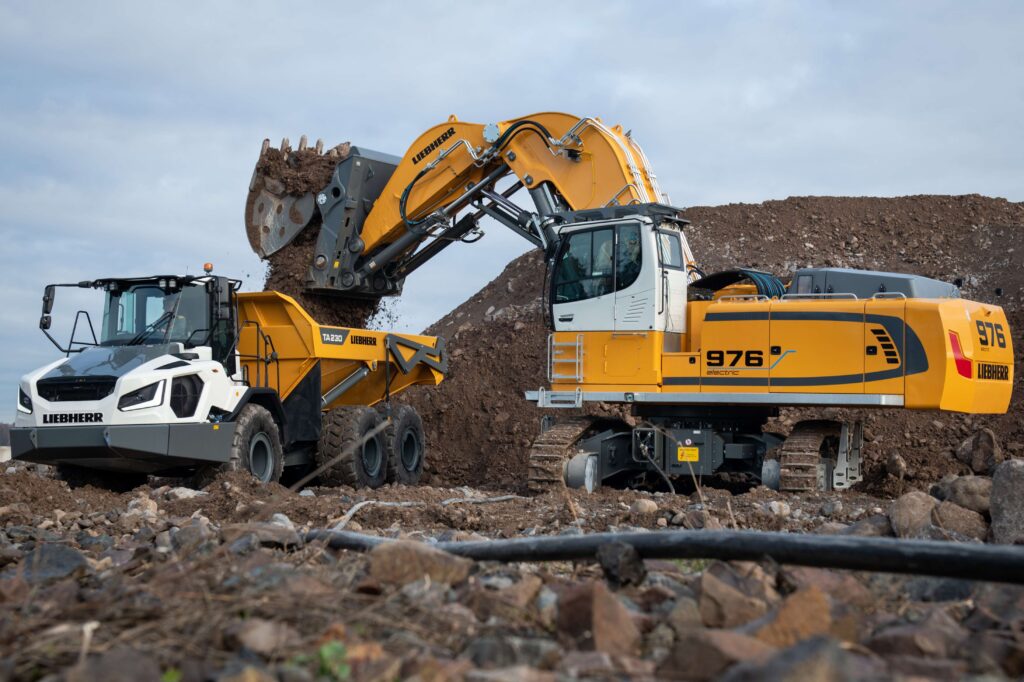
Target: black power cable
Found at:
x=969, y=561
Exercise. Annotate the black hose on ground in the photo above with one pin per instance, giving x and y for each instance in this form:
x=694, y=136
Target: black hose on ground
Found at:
x=969, y=561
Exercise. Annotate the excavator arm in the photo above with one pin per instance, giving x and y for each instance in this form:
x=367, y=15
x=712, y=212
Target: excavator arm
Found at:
x=381, y=217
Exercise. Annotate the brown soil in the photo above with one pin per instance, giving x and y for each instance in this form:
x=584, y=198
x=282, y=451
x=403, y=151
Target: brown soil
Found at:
x=480, y=426
x=303, y=172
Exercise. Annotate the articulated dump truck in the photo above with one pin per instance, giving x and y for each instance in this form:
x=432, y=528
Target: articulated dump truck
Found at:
x=189, y=377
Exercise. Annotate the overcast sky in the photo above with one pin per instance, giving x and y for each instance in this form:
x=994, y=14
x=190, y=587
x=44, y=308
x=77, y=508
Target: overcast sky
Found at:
x=128, y=130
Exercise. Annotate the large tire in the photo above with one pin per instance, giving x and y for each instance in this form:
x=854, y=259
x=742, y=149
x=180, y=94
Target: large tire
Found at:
x=406, y=446
x=77, y=477
x=256, y=449
x=364, y=460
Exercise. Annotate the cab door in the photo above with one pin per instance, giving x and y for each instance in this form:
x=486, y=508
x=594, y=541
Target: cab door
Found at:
x=583, y=284
x=672, y=313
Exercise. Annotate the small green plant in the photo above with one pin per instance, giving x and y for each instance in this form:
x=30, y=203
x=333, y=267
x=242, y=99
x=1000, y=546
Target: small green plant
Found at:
x=171, y=675
x=333, y=660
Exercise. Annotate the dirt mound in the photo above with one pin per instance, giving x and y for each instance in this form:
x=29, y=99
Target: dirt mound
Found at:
x=480, y=426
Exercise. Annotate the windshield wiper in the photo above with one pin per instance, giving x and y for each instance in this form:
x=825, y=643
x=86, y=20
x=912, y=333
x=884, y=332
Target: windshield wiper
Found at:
x=150, y=328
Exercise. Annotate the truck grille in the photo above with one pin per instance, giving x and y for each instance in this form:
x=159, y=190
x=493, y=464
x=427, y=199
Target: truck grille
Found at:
x=74, y=389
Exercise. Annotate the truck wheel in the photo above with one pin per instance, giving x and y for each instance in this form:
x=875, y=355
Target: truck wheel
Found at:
x=406, y=446
x=363, y=459
x=119, y=482
x=256, y=449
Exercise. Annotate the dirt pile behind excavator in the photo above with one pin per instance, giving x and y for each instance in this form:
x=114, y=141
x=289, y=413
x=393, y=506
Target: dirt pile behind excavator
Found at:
x=300, y=172
x=479, y=426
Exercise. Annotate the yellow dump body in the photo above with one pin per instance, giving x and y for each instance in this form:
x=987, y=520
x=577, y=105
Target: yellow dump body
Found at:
x=280, y=344
x=949, y=354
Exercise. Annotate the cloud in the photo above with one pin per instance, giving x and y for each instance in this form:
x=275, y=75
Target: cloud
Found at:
x=129, y=131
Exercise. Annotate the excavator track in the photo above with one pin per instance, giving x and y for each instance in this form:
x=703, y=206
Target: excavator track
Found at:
x=802, y=468
x=550, y=451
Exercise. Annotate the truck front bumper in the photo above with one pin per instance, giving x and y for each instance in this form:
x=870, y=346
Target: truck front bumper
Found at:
x=145, y=448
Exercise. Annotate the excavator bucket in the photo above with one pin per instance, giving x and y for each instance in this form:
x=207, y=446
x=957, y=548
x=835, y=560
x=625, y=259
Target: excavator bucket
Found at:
x=283, y=190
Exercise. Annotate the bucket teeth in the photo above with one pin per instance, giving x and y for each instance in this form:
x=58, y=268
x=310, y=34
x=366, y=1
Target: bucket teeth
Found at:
x=265, y=146
x=302, y=143
x=286, y=146
x=319, y=146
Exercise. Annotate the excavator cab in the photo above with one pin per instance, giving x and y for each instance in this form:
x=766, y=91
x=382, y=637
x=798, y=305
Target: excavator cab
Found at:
x=621, y=269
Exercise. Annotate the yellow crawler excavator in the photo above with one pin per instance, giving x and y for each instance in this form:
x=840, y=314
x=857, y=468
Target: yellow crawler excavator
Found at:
x=703, y=359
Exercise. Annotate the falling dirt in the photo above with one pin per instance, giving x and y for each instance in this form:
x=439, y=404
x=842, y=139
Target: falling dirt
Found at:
x=298, y=173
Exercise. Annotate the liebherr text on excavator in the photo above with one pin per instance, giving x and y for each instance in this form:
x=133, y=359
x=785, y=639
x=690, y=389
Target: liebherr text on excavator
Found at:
x=704, y=359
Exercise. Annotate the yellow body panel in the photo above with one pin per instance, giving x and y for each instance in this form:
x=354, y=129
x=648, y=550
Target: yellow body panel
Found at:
x=300, y=344
x=606, y=168
x=891, y=347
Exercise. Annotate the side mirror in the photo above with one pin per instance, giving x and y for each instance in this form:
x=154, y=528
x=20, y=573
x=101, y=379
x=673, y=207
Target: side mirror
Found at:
x=48, y=299
x=44, y=322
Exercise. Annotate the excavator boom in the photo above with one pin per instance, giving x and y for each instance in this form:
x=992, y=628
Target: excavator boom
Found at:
x=381, y=217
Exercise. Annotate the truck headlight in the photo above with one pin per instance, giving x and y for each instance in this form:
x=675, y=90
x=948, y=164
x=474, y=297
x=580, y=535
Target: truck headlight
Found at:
x=24, y=402
x=147, y=396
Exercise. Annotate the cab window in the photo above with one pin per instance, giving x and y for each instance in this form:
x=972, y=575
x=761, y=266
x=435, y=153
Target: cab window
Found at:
x=585, y=268
x=628, y=257
x=597, y=262
x=670, y=250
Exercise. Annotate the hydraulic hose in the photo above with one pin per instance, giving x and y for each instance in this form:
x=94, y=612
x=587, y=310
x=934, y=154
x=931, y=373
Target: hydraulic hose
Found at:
x=970, y=561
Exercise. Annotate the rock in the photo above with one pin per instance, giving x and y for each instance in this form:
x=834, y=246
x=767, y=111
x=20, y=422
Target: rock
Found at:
x=49, y=563
x=685, y=615
x=519, y=673
x=182, y=493
x=142, y=506
x=272, y=535
x=971, y=492
x=831, y=528
x=981, y=452
x=494, y=651
x=306, y=492
x=840, y=583
x=621, y=563
x=896, y=466
x=264, y=637
x=831, y=508
x=874, y=526
x=279, y=519
x=938, y=589
x=803, y=614
x=593, y=616
x=403, y=562
x=249, y=673
x=244, y=544
x=706, y=654
x=911, y=513
x=940, y=490
x=193, y=534
x=953, y=517
x=643, y=507
x=723, y=603
x=820, y=659
x=936, y=636
x=1007, y=503
x=779, y=508
x=117, y=665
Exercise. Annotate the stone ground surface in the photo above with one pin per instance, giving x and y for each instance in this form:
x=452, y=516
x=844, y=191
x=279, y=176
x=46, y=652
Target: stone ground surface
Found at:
x=218, y=585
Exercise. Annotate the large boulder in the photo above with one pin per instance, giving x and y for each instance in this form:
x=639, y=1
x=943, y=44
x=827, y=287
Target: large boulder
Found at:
x=1007, y=503
x=981, y=452
x=706, y=654
x=971, y=492
x=596, y=618
x=911, y=513
x=949, y=516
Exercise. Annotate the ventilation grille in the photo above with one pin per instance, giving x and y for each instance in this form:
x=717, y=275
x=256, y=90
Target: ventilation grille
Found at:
x=75, y=389
x=892, y=356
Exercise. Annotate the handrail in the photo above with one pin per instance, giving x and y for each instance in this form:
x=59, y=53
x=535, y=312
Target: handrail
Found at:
x=846, y=296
